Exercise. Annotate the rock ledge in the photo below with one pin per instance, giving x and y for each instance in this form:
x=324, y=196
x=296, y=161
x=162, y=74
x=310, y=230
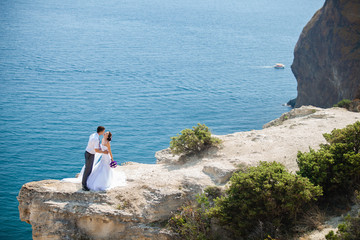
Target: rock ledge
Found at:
x=60, y=210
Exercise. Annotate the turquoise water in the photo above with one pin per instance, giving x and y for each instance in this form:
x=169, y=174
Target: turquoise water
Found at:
x=144, y=69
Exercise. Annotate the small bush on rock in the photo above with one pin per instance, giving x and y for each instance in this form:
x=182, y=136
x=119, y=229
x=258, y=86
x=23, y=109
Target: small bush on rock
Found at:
x=193, y=140
x=345, y=103
x=267, y=194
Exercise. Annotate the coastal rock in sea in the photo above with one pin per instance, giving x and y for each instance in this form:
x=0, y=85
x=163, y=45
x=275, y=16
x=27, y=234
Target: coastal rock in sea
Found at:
x=291, y=103
x=140, y=210
x=327, y=55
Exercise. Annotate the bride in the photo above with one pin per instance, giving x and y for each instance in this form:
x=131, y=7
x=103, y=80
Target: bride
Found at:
x=102, y=177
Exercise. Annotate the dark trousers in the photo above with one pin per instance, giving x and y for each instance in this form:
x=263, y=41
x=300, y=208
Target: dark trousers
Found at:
x=89, y=160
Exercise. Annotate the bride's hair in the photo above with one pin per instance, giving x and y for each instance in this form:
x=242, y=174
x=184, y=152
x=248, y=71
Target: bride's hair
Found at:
x=109, y=137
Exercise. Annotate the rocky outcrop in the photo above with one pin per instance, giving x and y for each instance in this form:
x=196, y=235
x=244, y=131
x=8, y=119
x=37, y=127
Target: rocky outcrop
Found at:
x=297, y=112
x=355, y=105
x=61, y=210
x=327, y=55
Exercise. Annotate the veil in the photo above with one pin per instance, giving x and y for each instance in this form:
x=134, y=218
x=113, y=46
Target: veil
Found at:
x=78, y=179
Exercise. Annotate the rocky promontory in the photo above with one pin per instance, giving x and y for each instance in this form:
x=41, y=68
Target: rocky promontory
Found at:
x=327, y=55
x=61, y=210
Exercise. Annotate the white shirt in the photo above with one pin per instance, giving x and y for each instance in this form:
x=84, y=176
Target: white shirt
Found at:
x=94, y=143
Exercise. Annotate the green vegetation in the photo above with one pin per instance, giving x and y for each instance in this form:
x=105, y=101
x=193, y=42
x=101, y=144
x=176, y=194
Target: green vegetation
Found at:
x=267, y=201
x=191, y=221
x=347, y=138
x=124, y=205
x=336, y=165
x=193, y=140
x=267, y=193
x=345, y=103
x=349, y=230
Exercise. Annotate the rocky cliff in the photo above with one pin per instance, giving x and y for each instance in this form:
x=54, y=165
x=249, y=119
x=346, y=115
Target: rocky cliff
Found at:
x=327, y=55
x=61, y=210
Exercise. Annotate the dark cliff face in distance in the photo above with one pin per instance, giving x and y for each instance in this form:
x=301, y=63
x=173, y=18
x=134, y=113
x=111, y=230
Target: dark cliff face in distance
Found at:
x=327, y=55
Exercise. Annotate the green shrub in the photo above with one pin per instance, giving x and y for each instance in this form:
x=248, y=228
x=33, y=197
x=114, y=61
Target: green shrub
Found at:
x=347, y=138
x=191, y=221
x=349, y=229
x=267, y=194
x=336, y=165
x=193, y=140
x=345, y=103
x=212, y=192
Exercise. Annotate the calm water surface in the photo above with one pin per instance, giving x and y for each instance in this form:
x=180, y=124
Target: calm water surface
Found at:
x=144, y=69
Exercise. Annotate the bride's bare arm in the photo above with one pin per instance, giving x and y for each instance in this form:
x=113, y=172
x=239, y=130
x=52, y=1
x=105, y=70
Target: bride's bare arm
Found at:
x=109, y=150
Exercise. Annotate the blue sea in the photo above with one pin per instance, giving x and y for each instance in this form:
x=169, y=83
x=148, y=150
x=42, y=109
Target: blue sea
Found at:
x=145, y=69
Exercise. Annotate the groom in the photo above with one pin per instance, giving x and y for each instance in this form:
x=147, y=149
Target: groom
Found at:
x=92, y=148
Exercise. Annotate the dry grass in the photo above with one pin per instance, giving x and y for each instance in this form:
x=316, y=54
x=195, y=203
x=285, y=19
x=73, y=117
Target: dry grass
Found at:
x=313, y=218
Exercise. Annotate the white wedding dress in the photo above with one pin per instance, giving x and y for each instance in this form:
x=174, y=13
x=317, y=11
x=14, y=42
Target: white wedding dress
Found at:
x=102, y=176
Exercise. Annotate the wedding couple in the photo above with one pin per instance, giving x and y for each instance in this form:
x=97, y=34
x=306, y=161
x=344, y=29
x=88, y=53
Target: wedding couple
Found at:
x=97, y=175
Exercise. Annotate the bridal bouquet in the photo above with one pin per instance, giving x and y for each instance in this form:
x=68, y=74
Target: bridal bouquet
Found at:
x=113, y=164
